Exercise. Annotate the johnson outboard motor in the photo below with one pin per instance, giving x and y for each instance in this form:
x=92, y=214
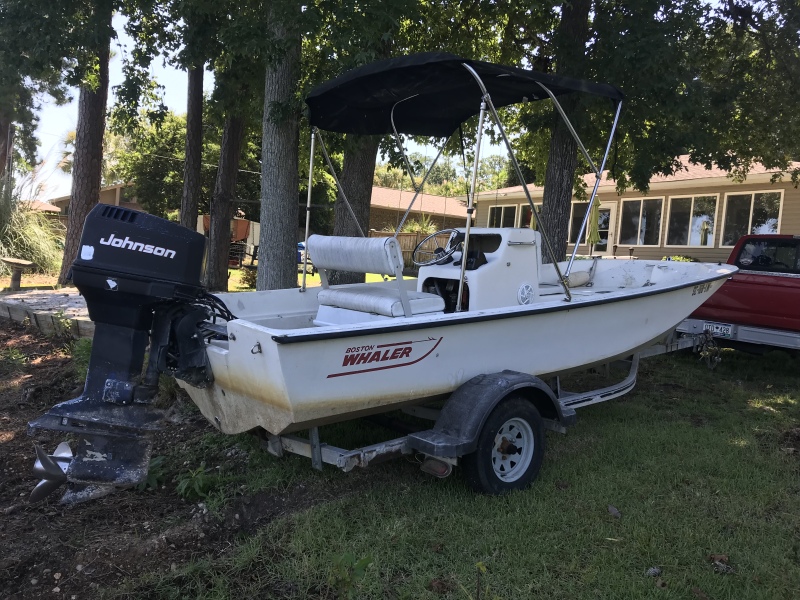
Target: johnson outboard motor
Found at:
x=141, y=278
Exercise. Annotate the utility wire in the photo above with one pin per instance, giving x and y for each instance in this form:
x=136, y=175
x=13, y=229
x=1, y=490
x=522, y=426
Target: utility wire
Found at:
x=203, y=164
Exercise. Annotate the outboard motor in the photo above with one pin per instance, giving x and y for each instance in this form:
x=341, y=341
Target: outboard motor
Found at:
x=141, y=278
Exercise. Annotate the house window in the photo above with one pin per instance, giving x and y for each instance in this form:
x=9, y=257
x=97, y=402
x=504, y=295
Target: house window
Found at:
x=577, y=215
x=640, y=224
x=750, y=213
x=691, y=221
x=502, y=216
x=576, y=220
x=526, y=215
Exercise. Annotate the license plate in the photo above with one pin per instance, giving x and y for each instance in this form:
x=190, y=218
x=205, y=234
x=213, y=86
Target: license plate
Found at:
x=723, y=330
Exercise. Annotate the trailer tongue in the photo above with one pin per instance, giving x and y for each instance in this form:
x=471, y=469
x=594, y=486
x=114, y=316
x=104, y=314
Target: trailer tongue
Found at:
x=140, y=276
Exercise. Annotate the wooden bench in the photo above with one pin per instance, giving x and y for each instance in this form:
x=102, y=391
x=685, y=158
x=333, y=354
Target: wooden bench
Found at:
x=17, y=266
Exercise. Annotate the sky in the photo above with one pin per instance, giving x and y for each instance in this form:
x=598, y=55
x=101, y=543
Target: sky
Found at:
x=56, y=121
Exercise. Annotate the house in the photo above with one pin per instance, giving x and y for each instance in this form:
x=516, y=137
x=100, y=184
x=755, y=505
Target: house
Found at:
x=388, y=207
x=696, y=212
x=43, y=207
x=119, y=194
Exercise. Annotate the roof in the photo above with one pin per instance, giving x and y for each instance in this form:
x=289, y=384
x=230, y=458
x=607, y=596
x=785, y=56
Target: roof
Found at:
x=102, y=189
x=41, y=206
x=430, y=93
x=688, y=172
x=425, y=203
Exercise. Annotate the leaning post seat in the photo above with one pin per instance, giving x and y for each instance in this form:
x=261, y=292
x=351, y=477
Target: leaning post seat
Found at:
x=367, y=255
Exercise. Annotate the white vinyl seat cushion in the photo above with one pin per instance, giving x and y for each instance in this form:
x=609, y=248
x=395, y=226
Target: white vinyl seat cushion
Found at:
x=379, y=300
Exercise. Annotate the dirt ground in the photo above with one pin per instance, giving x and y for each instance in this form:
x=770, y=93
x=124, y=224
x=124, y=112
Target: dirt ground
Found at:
x=48, y=550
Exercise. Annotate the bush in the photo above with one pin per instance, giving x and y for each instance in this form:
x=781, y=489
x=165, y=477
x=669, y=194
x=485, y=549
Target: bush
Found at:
x=249, y=278
x=679, y=258
x=28, y=234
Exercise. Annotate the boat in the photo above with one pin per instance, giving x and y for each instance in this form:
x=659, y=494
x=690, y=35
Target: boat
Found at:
x=479, y=334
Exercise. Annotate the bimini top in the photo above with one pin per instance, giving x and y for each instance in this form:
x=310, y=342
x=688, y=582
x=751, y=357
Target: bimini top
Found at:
x=434, y=91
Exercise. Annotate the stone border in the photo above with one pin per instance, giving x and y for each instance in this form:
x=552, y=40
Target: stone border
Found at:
x=47, y=322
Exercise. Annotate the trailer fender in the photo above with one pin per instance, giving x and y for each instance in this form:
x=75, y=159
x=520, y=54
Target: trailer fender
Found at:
x=460, y=422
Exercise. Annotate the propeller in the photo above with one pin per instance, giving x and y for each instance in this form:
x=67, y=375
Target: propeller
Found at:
x=52, y=469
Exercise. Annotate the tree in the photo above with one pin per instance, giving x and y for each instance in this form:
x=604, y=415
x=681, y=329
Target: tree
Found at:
x=114, y=148
x=222, y=207
x=153, y=163
x=279, y=163
x=87, y=162
x=197, y=31
x=152, y=160
x=750, y=80
x=32, y=60
x=350, y=36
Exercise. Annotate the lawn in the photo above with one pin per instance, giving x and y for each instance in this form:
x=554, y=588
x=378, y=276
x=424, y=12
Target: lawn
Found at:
x=686, y=488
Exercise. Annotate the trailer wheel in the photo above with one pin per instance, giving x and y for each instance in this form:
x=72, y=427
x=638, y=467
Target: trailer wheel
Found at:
x=510, y=449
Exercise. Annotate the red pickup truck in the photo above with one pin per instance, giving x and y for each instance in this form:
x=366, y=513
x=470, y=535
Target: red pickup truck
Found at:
x=758, y=307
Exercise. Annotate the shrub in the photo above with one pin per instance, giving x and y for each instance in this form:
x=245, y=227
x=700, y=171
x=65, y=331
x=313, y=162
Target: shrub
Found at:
x=249, y=278
x=28, y=234
x=679, y=258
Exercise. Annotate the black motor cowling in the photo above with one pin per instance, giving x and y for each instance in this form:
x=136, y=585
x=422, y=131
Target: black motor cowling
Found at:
x=141, y=277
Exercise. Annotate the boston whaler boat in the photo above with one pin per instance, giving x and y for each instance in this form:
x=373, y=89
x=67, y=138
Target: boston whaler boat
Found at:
x=481, y=335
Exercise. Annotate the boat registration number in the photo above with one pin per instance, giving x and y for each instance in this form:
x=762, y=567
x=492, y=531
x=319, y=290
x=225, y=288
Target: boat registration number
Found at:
x=723, y=330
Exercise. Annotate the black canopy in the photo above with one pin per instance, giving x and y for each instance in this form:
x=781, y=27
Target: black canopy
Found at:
x=438, y=94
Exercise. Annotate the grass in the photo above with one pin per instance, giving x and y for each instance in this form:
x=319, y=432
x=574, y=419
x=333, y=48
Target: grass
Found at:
x=696, y=463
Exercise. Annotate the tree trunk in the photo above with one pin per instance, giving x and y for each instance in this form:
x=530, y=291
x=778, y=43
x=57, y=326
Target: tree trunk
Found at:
x=357, y=173
x=194, y=149
x=570, y=41
x=222, y=207
x=87, y=159
x=277, y=251
x=6, y=142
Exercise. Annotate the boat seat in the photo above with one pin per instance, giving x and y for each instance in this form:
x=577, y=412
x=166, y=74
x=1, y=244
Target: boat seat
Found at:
x=367, y=255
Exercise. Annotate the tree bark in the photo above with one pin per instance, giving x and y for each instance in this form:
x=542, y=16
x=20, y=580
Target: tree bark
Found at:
x=222, y=207
x=6, y=142
x=87, y=165
x=571, y=37
x=277, y=251
x=356, y=179
x=190, y=198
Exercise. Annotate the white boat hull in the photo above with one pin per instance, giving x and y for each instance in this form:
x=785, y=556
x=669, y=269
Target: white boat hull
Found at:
x=280, y=372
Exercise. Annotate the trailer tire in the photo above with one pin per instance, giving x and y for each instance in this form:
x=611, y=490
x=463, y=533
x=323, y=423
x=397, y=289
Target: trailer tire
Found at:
x=510, y=449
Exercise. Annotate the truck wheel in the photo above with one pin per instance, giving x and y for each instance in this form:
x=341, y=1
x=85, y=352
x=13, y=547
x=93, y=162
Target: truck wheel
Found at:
x=510, y=449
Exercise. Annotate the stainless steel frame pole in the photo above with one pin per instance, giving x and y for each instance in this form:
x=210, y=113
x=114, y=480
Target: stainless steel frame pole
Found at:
x=470, y=205
x=308, y=207
x=598, y=175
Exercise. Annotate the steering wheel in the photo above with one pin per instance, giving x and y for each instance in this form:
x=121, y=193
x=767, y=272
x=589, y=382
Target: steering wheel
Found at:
x=438, y=254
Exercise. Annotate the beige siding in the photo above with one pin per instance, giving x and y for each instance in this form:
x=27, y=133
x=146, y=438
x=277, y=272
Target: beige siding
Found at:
x=789, y=218
x=482, y=213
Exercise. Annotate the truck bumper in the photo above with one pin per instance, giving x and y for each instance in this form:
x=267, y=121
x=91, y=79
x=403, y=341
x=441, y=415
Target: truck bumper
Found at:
x=743, y=334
